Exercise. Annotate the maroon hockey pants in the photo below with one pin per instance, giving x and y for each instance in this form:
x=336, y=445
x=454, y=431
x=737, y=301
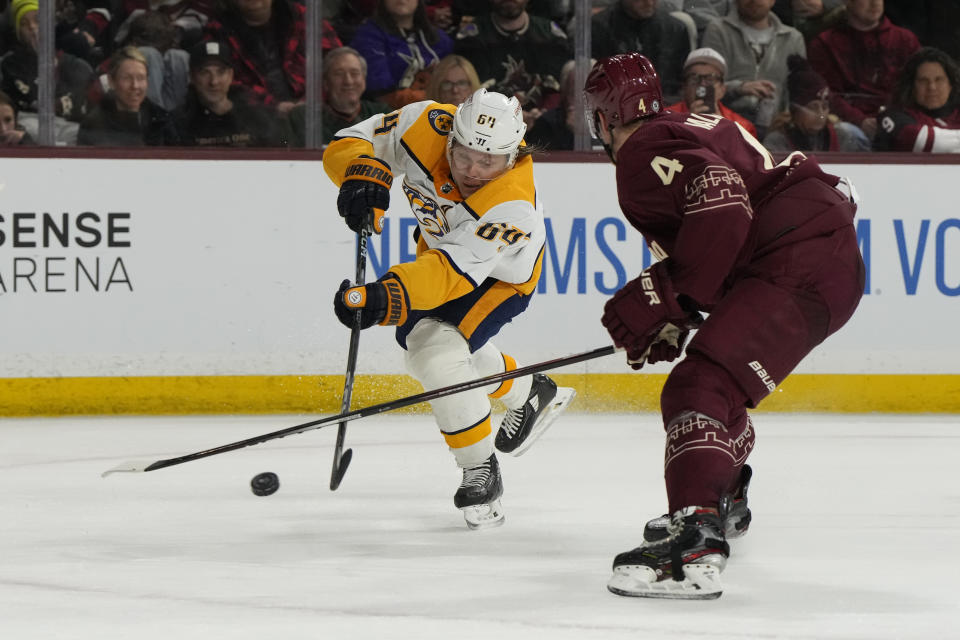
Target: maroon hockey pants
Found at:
x=786, y=303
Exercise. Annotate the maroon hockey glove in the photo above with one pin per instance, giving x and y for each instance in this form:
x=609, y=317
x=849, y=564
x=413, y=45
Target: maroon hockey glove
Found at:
x=645, y=318
x=365, y=194
x=382, y=302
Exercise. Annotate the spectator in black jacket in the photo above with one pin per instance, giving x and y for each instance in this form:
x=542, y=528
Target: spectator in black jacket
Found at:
x=644, y=27
x=516, y=54
x=217, y=114
x=554, y=129
x=125, y=117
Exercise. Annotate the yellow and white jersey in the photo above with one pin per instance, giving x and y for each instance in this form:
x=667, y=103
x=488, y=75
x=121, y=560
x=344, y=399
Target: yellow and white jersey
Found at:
x=498, y=232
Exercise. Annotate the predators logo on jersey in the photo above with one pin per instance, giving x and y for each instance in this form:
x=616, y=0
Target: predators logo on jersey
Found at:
x=497, y=232
x=441, y=121
x=430, y=214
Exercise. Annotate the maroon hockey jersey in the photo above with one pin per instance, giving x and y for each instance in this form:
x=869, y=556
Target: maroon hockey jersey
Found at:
x=702, y=191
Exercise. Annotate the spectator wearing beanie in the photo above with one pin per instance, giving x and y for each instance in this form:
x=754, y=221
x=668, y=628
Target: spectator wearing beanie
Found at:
x=703, y=87
x=809, y=125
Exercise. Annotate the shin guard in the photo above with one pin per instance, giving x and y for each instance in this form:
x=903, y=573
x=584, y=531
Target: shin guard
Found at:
x=702, y=458
x=437, y=355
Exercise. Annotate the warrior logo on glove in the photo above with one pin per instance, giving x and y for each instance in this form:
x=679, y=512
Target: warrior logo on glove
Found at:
x=365, y=194
x=383, y=302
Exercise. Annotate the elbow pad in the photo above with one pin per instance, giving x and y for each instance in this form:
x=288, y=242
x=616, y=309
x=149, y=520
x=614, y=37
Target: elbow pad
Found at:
x=937, y=140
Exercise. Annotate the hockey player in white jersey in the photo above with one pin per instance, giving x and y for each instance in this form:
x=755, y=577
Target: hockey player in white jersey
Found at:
x=469, y=182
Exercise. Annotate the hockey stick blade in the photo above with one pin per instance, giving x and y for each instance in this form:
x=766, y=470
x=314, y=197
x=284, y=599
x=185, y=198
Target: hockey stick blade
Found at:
x=341, y=469
x=349, y=416
x=127, y=467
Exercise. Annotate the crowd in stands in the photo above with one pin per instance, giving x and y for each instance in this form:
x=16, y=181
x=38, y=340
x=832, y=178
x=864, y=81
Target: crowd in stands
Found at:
x=819, y=75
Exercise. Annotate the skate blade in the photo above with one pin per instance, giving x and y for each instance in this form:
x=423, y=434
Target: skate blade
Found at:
x=559, y=403
x=701, y=582
x=484, y=516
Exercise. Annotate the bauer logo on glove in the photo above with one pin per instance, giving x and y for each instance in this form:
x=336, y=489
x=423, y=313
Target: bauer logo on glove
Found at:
x=646, y=318
x=650, y=289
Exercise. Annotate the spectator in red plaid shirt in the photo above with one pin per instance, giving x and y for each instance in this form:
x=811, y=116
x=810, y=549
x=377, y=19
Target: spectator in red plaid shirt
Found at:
x=861, y=60
x=329, y=39
x=267, y=40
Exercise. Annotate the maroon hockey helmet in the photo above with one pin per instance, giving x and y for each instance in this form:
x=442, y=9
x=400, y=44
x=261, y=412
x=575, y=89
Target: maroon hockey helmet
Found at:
x=624, y=88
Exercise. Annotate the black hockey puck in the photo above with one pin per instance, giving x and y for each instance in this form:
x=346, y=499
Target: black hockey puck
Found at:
x=265, y=484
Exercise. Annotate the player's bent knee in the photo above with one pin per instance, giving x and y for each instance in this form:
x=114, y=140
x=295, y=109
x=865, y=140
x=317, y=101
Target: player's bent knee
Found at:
x=437, y=354
x=698, y=384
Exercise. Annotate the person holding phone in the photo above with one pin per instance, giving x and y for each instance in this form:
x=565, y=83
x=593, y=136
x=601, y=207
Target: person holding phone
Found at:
x=703, y=87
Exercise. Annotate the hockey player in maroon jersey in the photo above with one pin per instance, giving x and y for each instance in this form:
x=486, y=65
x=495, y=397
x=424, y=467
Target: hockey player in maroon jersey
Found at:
x=768, y=251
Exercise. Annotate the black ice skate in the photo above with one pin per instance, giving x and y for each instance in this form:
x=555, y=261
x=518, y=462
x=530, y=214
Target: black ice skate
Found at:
x=685, y=564
x=521, y=427
x=479, y=495
x=734, y=508
x=736, y=513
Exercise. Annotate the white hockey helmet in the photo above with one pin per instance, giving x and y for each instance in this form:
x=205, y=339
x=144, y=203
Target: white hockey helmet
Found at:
x=489, y=122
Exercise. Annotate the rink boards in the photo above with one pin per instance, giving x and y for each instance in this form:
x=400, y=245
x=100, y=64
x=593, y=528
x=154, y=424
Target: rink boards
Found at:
x=205, y=286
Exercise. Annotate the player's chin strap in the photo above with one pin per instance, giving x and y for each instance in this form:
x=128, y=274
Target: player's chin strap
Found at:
x=608, y=147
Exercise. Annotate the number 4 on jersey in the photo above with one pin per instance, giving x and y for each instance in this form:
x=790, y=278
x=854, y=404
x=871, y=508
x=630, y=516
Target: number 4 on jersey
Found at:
x=666, y=168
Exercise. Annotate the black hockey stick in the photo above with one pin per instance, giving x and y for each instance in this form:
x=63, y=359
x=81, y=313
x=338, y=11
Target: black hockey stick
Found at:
x=426, y=396
x=341, y=458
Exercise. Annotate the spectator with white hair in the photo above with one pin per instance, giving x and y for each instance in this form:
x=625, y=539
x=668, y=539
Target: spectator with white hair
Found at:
x=344, y=82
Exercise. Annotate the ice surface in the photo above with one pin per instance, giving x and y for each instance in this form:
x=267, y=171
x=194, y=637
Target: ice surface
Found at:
x=855, y=533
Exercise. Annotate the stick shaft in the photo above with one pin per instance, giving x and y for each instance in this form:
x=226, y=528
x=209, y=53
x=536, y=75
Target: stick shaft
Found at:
x=392, y=405
x=336, y=473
